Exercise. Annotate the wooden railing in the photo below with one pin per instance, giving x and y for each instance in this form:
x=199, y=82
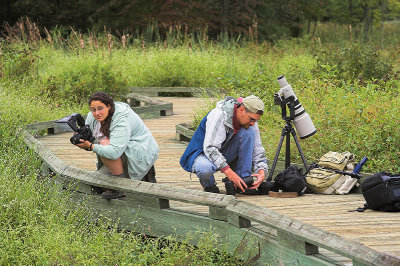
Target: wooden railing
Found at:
x=147, y=107
x=254, y=233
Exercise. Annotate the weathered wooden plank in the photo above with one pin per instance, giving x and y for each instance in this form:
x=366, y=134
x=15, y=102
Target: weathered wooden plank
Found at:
x=183, y=132
x=47, y=128
x=154, y=202
x=312, y=235
x=151, y=107
x=244, y=243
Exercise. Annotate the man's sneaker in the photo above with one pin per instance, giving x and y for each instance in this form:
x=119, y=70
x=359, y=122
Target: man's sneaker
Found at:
x=112, y=194
x=213, y=189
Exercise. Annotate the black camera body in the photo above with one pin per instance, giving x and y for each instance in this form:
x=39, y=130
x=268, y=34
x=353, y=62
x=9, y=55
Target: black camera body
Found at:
x=83, y=133
x=231, y=190
x=77, y=124
x=263, y=189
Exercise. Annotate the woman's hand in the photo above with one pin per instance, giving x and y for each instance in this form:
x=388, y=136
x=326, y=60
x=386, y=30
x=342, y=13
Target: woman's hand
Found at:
x=84, y=144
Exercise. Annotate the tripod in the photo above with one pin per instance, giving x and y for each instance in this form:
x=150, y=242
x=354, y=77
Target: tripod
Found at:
x=286, y=131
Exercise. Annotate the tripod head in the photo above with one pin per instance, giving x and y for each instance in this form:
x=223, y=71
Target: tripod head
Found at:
x=290, y=103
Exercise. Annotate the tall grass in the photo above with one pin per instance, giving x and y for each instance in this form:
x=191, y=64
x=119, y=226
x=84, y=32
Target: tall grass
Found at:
x=387, y=36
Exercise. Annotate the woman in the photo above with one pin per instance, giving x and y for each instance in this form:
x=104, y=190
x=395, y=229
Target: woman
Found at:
x=123, y=144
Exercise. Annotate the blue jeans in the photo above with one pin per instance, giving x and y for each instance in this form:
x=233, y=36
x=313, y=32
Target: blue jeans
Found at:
x=240, y=147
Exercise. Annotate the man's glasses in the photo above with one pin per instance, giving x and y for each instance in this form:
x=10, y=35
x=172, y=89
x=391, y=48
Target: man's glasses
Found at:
x=100, y=108
x=252, y=119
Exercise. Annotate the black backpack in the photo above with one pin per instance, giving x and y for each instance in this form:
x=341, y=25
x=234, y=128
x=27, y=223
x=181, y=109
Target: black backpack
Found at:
x=291, y=179
x=382, y=192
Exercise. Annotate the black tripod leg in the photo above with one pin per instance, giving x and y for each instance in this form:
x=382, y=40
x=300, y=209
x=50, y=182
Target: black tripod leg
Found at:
x=271, y=172
x=287, y=155
x=300, y=150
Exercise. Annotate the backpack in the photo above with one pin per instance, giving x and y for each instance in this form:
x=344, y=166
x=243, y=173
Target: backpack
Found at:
x=291, y=179
x=382, y=192
x=331, y=175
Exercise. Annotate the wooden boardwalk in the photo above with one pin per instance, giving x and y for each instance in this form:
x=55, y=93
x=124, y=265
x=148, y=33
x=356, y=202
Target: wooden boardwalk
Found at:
x=377, y=230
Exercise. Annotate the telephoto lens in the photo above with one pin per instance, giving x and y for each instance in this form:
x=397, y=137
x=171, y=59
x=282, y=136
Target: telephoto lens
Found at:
x=302, y=121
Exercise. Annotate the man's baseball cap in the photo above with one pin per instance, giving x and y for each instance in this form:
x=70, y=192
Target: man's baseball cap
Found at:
x=254, y=104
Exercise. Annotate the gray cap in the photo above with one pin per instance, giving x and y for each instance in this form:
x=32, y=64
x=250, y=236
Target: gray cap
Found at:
x=254, y=104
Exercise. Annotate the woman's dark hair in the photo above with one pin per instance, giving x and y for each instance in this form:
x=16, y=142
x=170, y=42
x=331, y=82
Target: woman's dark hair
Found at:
x=108, y=101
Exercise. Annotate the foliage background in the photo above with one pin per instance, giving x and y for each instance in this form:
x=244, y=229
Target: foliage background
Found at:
x=260, y=20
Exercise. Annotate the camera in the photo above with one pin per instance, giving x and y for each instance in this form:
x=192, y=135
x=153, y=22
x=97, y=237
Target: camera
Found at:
x=231, y=190
x=301, y=120
x=263, y=189
x=76, y=122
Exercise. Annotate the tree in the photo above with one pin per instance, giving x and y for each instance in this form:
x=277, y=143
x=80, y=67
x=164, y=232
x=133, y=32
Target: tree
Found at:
x=313, y=11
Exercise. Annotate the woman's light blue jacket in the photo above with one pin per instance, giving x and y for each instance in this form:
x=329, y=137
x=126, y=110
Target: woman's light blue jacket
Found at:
x=129, y=135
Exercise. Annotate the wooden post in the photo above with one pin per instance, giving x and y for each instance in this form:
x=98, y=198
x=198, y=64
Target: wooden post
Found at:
x=133, y=102
x=238, y=221
x=217, y=213
x=148, y=201
x=291, y=241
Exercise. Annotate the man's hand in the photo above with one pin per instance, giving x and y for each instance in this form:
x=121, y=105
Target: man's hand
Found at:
x=84, y=144
x=260, y=178
x=237, y=181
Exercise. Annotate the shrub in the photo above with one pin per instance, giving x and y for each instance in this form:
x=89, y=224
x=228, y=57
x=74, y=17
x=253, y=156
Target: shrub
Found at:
x=77, y=83
x=352, y=62
x=18, y=61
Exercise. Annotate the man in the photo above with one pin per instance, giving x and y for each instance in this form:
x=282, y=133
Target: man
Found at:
x=228, y=139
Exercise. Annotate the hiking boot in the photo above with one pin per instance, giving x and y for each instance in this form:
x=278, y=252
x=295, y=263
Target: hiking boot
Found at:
x=150, y=176
x=213, y=189
x=112, y=194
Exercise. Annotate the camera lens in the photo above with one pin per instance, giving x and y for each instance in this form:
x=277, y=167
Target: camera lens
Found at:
x=249, y=180
x=75, y=139
x=229, y=186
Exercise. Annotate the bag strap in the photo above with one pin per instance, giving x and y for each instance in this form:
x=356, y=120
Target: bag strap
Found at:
x=353, y=175
x=335, y=185
x=360, y=209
